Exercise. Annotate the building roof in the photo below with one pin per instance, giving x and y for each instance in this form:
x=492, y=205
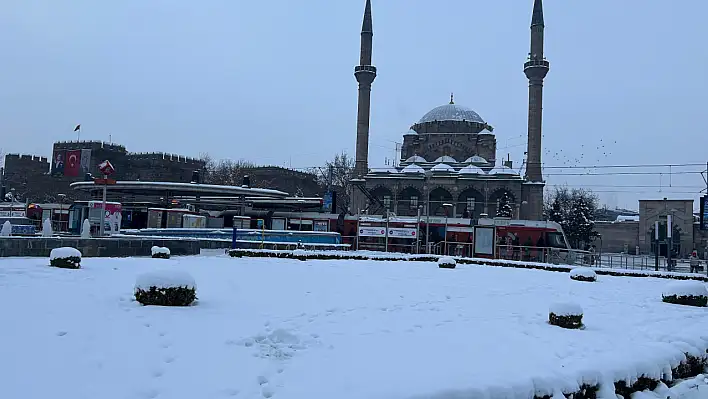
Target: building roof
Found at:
x=416, y=159
x=155, y=188
x=446, y=159
x=476, y=160
x=443, y=167
x=471, y=170
x=413, y=169
x=451, y=112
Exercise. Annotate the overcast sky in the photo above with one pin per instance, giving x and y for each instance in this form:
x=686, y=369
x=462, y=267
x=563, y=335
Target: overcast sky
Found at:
x=272, y=81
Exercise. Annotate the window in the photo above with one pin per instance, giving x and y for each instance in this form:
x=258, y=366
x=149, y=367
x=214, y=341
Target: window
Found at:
x=387, y=201
x=414, y=201
x=470, y=204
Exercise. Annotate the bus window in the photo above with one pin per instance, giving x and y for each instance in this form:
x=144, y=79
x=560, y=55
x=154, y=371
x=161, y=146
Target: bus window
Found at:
x=556, y=240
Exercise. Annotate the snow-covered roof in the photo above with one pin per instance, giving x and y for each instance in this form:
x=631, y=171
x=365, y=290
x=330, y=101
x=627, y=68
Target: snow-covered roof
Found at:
x=446, y=159
x=416, y=159
x=413, y=169
x=503, y=170
x=627, y=218
x=451, y=112
x=471, y=170
x=443, y=167
x=477, y=160
x=389, y=169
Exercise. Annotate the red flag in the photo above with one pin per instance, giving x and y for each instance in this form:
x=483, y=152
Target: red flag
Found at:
x=73, y=163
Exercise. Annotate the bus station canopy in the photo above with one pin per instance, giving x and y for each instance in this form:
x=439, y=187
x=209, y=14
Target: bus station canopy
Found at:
x=148, y=188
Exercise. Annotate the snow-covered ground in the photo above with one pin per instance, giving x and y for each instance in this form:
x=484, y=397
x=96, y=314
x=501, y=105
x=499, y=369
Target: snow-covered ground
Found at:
x=329, y=329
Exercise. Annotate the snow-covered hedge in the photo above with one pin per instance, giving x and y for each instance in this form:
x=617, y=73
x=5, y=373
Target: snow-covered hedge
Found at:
x=583, y=274
x=166, y=288
x=160, y=252
x=447, y=262
x=692, y=293
x=566, y=315
x=65, y=257
x=326, y=255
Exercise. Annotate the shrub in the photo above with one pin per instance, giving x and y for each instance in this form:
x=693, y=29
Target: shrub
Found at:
x=690, y=293
x=566, y=315
x=447, y=263
x=160, y=252
x=583, y=274
x=691, y=367
x=65, y=258
x=165, y=288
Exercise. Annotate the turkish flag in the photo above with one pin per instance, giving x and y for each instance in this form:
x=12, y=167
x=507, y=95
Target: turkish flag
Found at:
x=73, y=163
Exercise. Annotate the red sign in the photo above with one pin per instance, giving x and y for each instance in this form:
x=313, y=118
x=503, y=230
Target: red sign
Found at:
x=106, y=168
x=73, y=163
x=104, y=181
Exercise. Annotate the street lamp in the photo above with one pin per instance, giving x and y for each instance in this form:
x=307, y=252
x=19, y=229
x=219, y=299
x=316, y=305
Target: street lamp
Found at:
x=447, y=207
x=417, y=230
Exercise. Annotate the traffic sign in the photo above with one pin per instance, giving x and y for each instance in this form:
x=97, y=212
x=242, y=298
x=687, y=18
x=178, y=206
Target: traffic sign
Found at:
x=106, y=167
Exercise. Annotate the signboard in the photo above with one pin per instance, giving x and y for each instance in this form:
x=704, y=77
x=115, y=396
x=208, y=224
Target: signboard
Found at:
x=106, y=167
x=399, y=232
x=484, y=241
x=327, y=202
x=372, y=232
x=704, y=213
x=320, y=225
x=95, y=210
x=12, y=214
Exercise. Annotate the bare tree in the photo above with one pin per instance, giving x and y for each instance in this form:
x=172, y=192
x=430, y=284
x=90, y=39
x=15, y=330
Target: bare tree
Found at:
x=227, y=172
x=338, y=173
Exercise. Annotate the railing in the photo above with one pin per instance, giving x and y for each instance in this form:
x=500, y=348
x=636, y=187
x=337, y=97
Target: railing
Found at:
x=545, y=255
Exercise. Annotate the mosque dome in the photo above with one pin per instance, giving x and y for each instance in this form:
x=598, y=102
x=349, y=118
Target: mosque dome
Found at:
x=503, y=171
x=413, y=169
x=451, y=112
x=471, y=170
x=443, y=167
x=476, y=160
x=416, y=159
x=446, y=159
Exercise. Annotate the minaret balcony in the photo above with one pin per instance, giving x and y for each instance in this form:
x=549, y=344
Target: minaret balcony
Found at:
x=534, y=63
x=365, y=69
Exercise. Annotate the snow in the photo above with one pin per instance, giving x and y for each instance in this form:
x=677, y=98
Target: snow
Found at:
x=443, y=167
x=583, y=272
x=64, y=252
x=6, y=229
x=86, y=229
x=317, y=329
x=566, y=309
x=165, y=279
x=413, y=169
x=686, y=288
x=159, y=250
x=471, y=170
x=47, y=228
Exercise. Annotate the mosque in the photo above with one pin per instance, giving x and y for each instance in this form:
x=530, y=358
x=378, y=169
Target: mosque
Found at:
x=449, y=164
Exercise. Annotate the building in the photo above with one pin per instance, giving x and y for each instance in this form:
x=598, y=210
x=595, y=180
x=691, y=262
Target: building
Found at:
x=448, y=159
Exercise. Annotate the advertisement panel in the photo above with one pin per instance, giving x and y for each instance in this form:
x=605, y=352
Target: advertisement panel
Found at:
x=704, y=213
x=372, y=232
x=95, y=211
x=400, y=232
x=484, y=241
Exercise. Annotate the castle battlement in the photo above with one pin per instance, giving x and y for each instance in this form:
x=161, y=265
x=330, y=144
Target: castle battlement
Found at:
x=162, y=156
x=25, y=158
x=88, y=144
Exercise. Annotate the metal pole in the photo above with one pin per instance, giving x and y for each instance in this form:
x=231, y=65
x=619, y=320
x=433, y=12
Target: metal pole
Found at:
x=656, y=246
x=357, y=229
x=102, y=227
x=668, y=235
x=445, y=240
x=417, y=233
x=387, y=218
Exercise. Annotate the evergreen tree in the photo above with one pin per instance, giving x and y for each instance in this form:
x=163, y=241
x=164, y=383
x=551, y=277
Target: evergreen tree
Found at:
x=574, y=210
x=505, y=208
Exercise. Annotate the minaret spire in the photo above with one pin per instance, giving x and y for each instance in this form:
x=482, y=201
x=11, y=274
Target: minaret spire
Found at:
x=535, y=68
x=365, y=73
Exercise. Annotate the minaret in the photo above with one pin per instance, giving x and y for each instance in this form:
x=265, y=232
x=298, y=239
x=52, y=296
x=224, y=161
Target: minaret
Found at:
x=365, y=73
x=535, y=68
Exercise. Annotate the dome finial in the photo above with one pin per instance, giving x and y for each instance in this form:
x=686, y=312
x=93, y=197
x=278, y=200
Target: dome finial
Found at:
x=452, y=98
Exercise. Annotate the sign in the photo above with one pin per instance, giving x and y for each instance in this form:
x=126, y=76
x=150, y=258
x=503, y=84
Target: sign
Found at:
x=372, y=232
x=484, y=241
x=399, y=232
x=12, y=214
x=106, y=167
x=105, y=181
x=320, y=225
x=327, y=202
x=95, y=210
x=704, y=213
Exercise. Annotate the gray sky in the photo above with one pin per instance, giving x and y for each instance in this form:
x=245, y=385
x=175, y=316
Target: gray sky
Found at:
x=271, y=81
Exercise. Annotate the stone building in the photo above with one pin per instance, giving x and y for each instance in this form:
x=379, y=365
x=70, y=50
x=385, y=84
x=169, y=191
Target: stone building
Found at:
x=448, y=159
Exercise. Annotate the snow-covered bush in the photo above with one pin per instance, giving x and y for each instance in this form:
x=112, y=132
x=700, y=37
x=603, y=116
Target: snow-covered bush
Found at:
x=583, y=274
x=160, y=252
x=691, y=293
x=566, y=315
x=65, y=257
x=447, y=262
x=6, y=229
x=165, y=288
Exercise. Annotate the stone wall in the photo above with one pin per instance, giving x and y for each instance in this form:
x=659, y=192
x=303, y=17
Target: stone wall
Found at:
x=103, y=247
x=458, y=146
x=615, y=235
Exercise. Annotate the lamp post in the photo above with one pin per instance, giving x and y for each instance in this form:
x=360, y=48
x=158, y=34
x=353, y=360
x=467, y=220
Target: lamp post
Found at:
x=417, y=230
x=446, y=206
x=656, y=246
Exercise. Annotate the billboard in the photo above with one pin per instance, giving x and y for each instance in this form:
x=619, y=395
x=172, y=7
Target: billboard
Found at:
x=399, y=232
x=704, y=213
x=372, y=232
